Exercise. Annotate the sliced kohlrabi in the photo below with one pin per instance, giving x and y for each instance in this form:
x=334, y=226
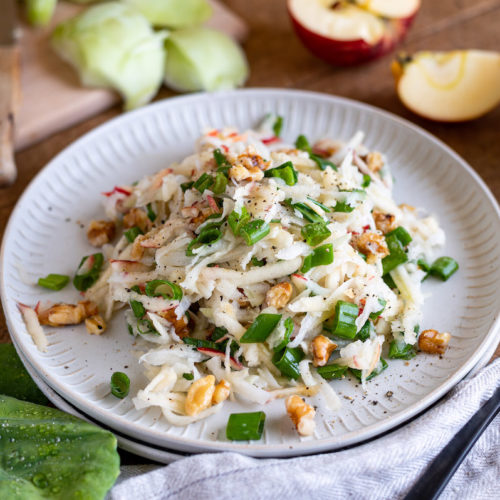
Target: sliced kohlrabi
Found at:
x=173, y=13
x=203, y=59
x=113, y=45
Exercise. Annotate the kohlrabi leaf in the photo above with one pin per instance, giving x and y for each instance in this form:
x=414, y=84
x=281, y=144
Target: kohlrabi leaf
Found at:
x=113, y=45
x=47, y=454
x=173, y=13
x=15, y=380
x=39, y=12
x=203, y=59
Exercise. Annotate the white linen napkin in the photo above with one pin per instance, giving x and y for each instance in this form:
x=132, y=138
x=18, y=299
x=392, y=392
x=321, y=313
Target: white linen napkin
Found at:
x=385, y=468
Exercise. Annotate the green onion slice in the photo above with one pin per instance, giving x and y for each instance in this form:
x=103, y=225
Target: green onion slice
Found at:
x=254, y=231
x=223, y=164
x=307, y=212
x=163, y=288
x=120, y=385
x=137, y=308
x=245, y=426
x=132, y=233
x=367, y=180
x=444, y=268
x=343, y=323
x=303, y=144
x=203, y=182
x=54, y=281
x=278, y=126
x=188, y=376
x=288, y=324
x=424, y=265
x=261, y=328
x=151, y=212
x=333, y=371
x=237, y=220
x=343, y=207
x=287, y=361
x=320, y=256
x=381, y=366
x=208, y=344
x=397, y=254
x=186, y=185
x=220, y=183
x=88, y=271
x=258, y=262
x=285, y=172
x=374, y=315
x=315, y=233
x=366, y=331
x=401, y=350
x=208, y=236
x=402, y=235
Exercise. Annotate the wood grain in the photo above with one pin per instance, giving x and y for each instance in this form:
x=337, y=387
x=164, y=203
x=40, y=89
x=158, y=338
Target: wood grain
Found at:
x=9, y=100
x=278, y=59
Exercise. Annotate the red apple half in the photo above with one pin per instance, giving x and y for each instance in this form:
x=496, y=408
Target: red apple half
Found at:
x=351, y=31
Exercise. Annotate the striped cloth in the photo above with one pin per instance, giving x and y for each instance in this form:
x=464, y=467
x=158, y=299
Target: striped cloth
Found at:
x=382, y=469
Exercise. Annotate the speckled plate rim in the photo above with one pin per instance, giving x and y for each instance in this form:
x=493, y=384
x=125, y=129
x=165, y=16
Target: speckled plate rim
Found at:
x=256, y=449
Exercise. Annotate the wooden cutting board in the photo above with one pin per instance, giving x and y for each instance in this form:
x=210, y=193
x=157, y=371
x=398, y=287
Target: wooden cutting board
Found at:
x=52, y=97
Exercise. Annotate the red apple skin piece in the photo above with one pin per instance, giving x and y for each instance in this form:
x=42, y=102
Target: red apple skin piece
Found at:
x=351, y=52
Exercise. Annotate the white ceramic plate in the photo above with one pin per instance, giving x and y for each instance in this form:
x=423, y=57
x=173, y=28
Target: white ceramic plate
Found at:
x=44, y=235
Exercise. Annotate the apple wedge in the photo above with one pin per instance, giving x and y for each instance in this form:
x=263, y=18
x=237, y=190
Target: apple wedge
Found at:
x=350, y=32
x=449, y=86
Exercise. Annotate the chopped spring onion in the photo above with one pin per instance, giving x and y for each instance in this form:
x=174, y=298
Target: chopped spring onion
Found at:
x=374, y=315
x=254, y=231
x=137, y=308
x=401, y=350
x=261, y=328
x=381, y=366
x=307, y=212
x=402, y=235
x=288, y=324
x=208, y=236
x=287, y=361
x=151, y=212
x=88, y=271
x=343, y=207
x=132, y=233
x=186, y=185
x=220, y=183
x=389, y=281
x=315, y=233
x=320, y=256
x=54, y=281
x=258, y=262
x=245, y=426
x=366, y=330
x=223, y=164
x=303, y=144
x=120, y=385
x=424, y=265
x=396, y=256
x=218, y=333
x=285, y=172
x=207, y=344
x=237, y=220
x=188, y=376
x=367, y=180
x=278, y=126
x=163, y=288
x=333, y=371
x=203, y=182
x=324, y=207
x=444, y=267
x=343, y=323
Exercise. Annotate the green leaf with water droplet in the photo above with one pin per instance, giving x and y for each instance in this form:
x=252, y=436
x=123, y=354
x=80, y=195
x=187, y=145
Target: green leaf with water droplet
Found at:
x=45, y=453
x=15, y=380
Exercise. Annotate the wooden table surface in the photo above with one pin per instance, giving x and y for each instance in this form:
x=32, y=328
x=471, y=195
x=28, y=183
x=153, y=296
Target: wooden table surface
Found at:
x=277, y=59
